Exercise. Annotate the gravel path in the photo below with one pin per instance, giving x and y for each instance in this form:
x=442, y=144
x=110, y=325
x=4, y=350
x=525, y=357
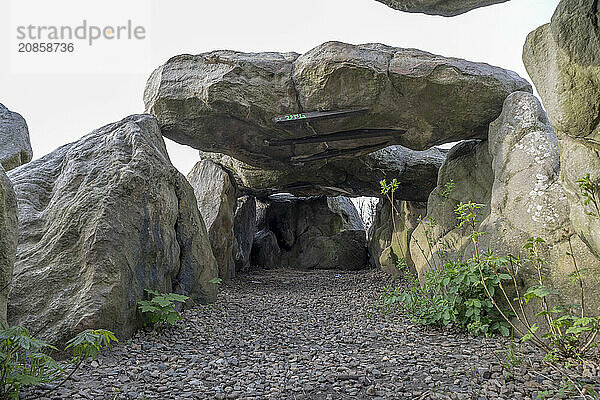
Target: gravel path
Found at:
x=304, y=335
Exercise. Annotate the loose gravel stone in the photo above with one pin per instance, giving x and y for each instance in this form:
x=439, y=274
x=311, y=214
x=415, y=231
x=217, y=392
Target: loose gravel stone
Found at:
x=318, y=335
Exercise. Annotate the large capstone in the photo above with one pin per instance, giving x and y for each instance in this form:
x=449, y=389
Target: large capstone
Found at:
x=309, y=233
x=216, y=196
x=15, y=147
x=446, y=8
x=563, y=60
x=8, y=240
x=281, y=110
x=416, y=172
x=100, y=220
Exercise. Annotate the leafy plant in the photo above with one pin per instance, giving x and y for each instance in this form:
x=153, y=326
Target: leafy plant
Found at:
x=589, y=191
x=448, y=188
x=570, y=336
x=511, y=360
x=456, y=292
x=453, y=295
x=24, y=360
x=571, y=332
x=389, y=189
x=88, y=343
x=161, y=307
x=482, y=294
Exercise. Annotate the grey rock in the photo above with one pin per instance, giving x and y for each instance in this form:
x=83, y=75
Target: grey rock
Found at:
x=8, y=239
x=100, y=220
x=265, y=252
x=468, y=165
x=528, y=198
x=15, y=147
x=309, y=233
x=216, y=196
x=563, y=60
x=416, y=171
x=446, y=8
x=524, y=198
x=244, y=227
x=226, y=101
x=389, y=236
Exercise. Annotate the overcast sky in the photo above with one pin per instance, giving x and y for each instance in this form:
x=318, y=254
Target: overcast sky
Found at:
x=60, y=108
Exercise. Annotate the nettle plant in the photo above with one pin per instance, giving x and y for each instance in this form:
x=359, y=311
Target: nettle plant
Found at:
x=26, y=361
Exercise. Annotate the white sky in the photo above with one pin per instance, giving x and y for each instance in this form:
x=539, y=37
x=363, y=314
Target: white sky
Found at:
x=60, y=108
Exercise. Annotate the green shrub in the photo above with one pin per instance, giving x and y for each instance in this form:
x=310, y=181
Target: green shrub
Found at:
x=25, y=362
x=455, y=292
x=452, y=295
x=483, y=295
x=161, y=307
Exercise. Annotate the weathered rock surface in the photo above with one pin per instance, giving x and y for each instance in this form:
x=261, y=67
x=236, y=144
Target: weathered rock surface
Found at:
x=309, y=233
x=527, y=200
x=265, y=250
x=415, y=170
x=216, y=196
x=389, y=236
x=468, y=166
x=227, y=102
x=8, y=239
x=15, y=147
x=100, y=220
x=563, y=60
x=244, y=228
x=446, y=8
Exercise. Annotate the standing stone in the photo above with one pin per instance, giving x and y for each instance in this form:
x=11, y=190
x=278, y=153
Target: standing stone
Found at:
x=465, y=176
x=265, y=251
x=100, y=220
x=563, y=60
x=216, y=197
x=8, y=240
x=528, y=199
x=15, y=147
x=523, y=198
x=244, y=227
x=310, y=233
x=389, y=238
